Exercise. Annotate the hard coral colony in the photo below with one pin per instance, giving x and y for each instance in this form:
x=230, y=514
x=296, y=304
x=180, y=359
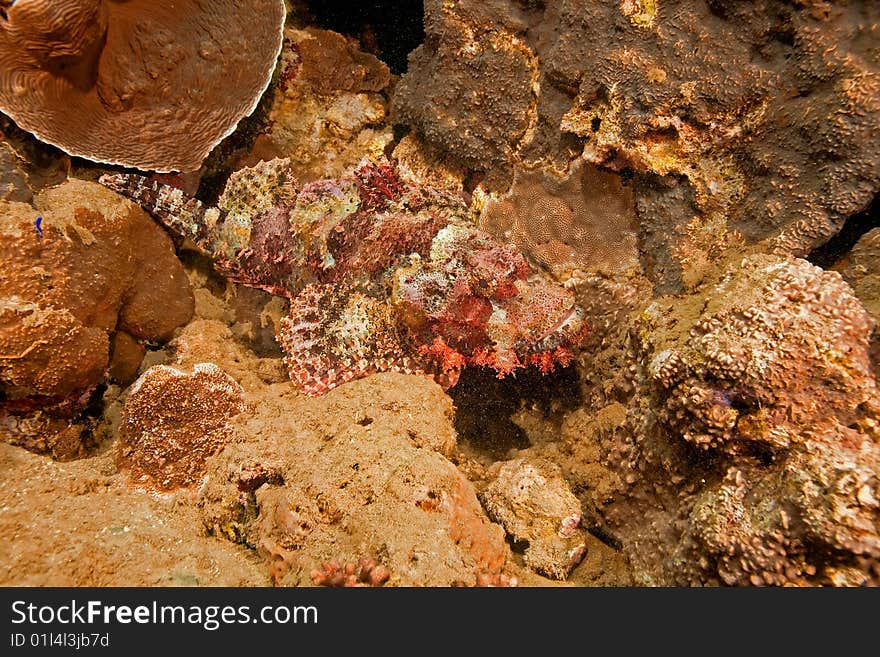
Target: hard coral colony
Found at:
x=383, y=275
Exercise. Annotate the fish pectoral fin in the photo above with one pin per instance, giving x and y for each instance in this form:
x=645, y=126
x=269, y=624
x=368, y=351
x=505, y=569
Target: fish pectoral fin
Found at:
x=336, y=333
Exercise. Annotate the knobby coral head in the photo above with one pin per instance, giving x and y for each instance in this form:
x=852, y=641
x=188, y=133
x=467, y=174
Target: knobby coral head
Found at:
x=383, y=274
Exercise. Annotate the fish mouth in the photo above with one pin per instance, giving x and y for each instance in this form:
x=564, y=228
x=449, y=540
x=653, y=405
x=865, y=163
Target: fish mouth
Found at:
x=557, y=334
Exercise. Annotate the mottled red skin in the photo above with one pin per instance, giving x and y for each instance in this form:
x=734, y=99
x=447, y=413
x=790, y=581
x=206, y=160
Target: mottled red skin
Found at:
x=382, y=275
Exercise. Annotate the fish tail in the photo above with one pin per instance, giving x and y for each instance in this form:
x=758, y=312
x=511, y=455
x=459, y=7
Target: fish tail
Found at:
x=184, y=215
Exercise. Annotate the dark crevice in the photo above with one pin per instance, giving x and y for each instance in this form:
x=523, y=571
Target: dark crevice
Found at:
x=485, y=405
x=390, y=29
x=830, y=253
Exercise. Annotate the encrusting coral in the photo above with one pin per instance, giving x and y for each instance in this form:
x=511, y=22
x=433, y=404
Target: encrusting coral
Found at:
x=383, y=275
x=172, y=421
x=755, y=451
x=87, y=279
x=151, y=84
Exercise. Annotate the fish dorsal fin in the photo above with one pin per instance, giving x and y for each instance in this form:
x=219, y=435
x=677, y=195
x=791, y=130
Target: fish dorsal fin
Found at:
x=255, y=189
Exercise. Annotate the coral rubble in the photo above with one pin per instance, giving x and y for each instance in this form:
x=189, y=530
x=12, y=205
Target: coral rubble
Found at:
x=534, y=504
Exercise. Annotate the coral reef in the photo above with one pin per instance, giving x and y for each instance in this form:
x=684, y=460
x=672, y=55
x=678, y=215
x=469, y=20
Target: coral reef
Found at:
x=172, y=421
x=307, y=480
x=366, y=572
x=383, y=275
x=780, y=346
x=585, y=220
x=152, y=84
x=534, y=504
x=328, y=109
x=740, y=122
x=87, y=279
x=754, y=450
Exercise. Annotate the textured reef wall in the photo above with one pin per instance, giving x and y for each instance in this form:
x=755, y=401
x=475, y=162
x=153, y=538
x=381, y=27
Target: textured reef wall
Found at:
x=630, y=240
x=740, y=121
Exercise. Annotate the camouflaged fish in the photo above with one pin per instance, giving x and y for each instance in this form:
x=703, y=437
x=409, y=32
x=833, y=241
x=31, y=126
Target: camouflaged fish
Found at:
x=382, y=275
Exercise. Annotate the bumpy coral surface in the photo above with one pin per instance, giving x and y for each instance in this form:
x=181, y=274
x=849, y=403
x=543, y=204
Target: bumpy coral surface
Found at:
x=366, y=572
x=759, y=406
x=534, y=504
x=861, y=269
x=87, y=278
x=328, y=108
x=584, y=222
x=173, y=421
x=741, y=121
x=383, y=275
x=780, y=345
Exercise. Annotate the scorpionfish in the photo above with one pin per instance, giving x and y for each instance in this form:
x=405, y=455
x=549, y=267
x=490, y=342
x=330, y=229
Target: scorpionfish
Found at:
x=382, y=274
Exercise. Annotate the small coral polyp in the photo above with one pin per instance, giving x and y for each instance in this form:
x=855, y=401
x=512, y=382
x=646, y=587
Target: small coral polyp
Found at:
x=382, y=275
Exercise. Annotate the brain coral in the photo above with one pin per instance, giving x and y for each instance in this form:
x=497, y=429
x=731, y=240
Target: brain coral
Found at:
x=81, y=289
x=583, y=222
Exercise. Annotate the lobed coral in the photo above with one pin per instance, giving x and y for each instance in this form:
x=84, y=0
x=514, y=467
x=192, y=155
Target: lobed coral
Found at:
x=152, y=84
x=779, y=346
x=383, y=275
x=87, y=279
